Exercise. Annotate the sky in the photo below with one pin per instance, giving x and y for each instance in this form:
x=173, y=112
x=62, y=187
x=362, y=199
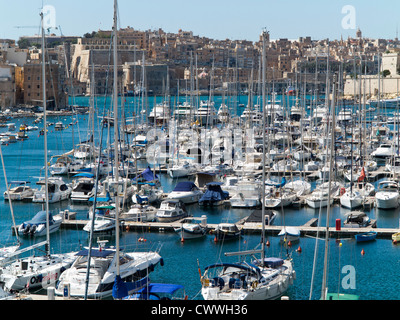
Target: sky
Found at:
x=216, y=19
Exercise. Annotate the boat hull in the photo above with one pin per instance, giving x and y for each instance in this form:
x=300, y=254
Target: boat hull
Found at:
x=387, y=201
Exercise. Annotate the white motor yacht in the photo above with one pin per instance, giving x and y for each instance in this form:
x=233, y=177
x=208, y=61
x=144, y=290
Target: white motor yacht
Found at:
x=187, y=192
x=20, y=192
x=383, y=151
x=246, y=195
x=37, y=226
x=387, y=195
x=171, y=210
x=192, y=228
x=58, y=190
x=134, y=269
x=83, y=189
x=140, y=213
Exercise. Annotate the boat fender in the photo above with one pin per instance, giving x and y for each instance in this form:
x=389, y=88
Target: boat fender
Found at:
x=254, y=284
x=162, y=262
x=151, y=267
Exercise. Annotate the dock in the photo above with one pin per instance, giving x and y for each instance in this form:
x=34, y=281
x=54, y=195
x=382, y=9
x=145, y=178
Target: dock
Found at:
x=309, y=229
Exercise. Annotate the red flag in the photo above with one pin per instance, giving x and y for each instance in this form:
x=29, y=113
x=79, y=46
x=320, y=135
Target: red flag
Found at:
x=362, y=175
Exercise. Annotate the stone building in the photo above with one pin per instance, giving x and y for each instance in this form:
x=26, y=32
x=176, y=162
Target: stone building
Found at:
x=33, y=92
x=7, y=86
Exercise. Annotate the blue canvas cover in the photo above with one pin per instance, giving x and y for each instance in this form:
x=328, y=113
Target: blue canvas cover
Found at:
x=277, y=185
x=95, y=253
x=119, y=290
x=161, y=288
x=100, y=199
x=148, y=175
x=271, y=262
x=84, y=174
x=39, y=218
x=185, y=186
x=214, y=193
x=141, y=200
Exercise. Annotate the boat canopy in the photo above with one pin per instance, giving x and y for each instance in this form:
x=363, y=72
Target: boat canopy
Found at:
x=107, y=198
x=84, y=174
x=270, y=262
x=19, y=182
x=277, y=185
x=256, y=215
x=248, y=267
x=147, y=174
x=214, y=193
x=141, y=200
x=185, y=186
x=39, y=218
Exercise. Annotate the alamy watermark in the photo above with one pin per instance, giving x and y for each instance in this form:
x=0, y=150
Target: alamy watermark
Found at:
x=49, y=17
x=349, y=20
x=349, y=280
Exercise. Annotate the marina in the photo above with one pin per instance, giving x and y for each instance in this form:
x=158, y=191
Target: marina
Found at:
x=144, y=234
x=257, y=193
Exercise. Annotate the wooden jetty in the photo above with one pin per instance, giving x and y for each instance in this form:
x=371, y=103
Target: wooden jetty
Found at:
x=309, y=229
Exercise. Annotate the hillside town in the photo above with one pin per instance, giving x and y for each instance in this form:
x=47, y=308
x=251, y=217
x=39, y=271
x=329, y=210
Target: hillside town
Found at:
x=155, y=62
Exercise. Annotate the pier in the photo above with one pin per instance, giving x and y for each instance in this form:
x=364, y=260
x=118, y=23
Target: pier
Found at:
x=309, y=229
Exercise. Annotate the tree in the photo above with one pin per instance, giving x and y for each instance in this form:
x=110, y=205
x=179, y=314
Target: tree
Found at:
x=385, y=73
x=23, y=43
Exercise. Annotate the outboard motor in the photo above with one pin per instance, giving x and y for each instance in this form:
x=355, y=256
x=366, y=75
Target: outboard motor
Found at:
x=27, y=227
x=33, y=230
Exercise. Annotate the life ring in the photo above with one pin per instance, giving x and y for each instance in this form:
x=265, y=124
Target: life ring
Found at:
x=33, y=280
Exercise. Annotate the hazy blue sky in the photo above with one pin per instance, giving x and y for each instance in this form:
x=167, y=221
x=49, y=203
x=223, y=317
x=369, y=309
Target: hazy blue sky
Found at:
x=218, y=19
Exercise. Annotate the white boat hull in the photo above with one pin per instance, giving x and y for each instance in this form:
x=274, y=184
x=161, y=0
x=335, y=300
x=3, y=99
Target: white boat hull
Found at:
x=387, y=200
x=351, y=201
x=270, y=291
x=245, y=203
x=16, y=278
x=317, y=203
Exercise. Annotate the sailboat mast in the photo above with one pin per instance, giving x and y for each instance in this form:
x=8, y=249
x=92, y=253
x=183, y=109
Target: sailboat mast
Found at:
x=325, y=274
x=116, y=158
x=264, y=155
x=45, y=137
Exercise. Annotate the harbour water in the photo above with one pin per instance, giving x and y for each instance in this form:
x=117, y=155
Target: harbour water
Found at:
x=371, y=276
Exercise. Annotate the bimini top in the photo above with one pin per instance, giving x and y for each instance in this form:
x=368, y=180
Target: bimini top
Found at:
x=248, y=267
x=185, y=186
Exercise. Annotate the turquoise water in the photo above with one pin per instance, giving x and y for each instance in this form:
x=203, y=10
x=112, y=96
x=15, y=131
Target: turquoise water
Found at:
x=375, y=276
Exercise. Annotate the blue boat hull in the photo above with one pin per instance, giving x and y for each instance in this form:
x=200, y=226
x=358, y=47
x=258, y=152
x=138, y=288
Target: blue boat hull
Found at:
x=369, y=236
